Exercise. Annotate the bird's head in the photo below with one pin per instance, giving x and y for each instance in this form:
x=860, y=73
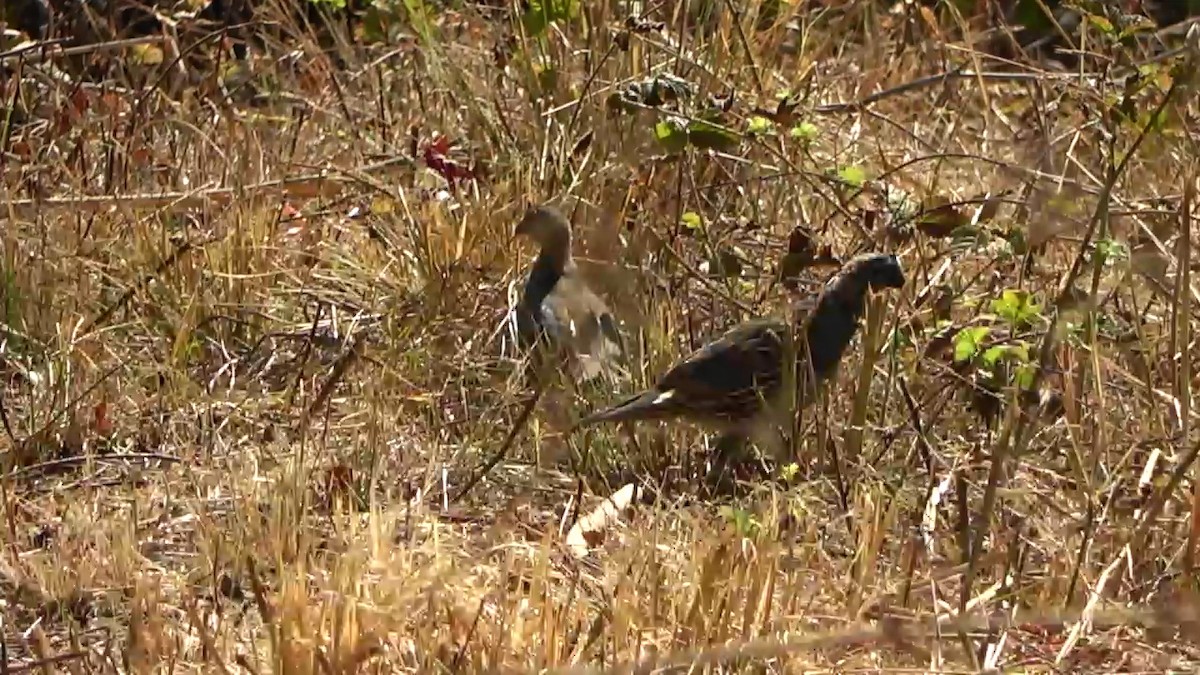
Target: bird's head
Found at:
x=876, y=270
x=546, y=226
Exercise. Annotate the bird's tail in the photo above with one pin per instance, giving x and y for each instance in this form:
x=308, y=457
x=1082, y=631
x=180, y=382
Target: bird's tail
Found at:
x=652, y=404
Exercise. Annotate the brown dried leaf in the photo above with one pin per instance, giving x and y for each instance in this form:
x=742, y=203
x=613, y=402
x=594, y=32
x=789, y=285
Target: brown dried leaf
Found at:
x=942, y=219
x=931, y=22
x=102, y=423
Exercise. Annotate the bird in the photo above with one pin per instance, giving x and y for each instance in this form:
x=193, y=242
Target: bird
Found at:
x=735, y=383
x=558, y=315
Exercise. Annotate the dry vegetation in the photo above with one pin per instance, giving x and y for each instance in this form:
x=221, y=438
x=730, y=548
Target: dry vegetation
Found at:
x=253, y=345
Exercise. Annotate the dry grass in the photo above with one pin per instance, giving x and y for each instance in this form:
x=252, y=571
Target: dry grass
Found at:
x=231, y=413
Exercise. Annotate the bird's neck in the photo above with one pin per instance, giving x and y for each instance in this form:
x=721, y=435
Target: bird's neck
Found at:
x=848, y=297
x=548, y=268
x=556, y=250
x=833, y=324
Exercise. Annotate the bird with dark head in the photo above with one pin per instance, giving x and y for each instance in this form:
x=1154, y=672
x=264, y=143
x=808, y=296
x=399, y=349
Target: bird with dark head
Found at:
x=558, y=313
x=732, y=383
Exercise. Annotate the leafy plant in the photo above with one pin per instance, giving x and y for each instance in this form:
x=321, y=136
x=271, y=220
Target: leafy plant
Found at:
x=1015, y=354
x=1108, y=251
x=1017, y=308
x=759, y=126
x=968, y=342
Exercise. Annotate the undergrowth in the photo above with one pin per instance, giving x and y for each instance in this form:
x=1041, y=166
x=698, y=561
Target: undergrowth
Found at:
x=254, y=339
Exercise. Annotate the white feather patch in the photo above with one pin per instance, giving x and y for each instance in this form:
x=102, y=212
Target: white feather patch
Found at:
x=665, y=396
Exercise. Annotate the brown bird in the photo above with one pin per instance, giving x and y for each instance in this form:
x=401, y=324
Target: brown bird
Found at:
x=557, y=312
x=736, y=382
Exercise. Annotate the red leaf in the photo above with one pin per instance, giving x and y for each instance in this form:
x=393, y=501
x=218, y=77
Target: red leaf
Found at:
x=289, y=212
x=101, y=422
x=62, y=122
x=440, y=145
x=80, y=102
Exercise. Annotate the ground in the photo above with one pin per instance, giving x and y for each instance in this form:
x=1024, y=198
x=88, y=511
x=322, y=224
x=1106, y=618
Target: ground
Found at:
x=254, y=346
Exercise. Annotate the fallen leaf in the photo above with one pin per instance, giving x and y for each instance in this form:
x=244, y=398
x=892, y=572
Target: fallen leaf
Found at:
x=589, y=530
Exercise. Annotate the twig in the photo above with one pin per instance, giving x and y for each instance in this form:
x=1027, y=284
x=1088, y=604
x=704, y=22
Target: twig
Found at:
x=961, y=73
x=41, y=664
x=891, y=631
x=124, y=298
x=50, y=49
x=71, y=404
x=349, y=358
x=295, y=186
x=69, y=461
x=517, y=427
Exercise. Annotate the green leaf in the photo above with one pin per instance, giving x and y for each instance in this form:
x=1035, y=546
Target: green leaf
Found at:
x=994, y=354
x=1110, y=250
x=692, y=220
x=789, y=471
x=1104, y=25
x=1013, y=352
x=1016, y=307
x=672, y=134
x=855, y=176
x=707, y=135
x=1025, y=375
x=968, y=341
x=743, y=521
x=1020, y=351
x=758, y=125
x=805, y=131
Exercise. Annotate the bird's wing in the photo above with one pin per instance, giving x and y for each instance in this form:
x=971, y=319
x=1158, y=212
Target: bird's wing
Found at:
x=540, y=323
x=722, y=382
x=727, y=377
x=608, y=326
x=593, y=328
